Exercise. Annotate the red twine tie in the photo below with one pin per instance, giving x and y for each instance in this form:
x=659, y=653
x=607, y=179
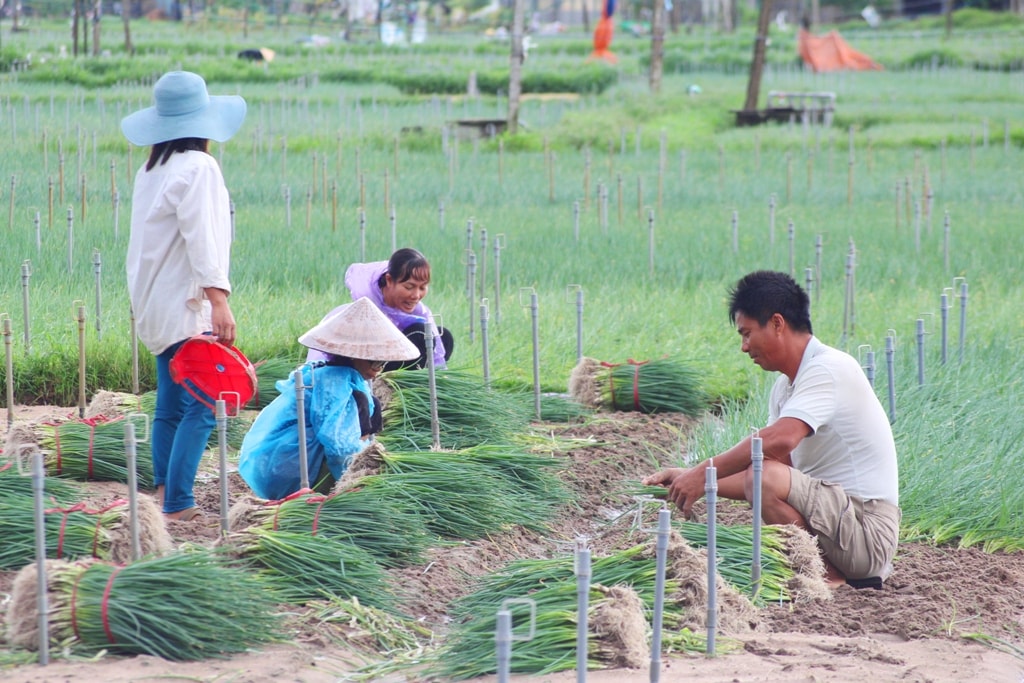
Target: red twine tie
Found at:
x=282, y=501
x=106, y=603
x=636, y=381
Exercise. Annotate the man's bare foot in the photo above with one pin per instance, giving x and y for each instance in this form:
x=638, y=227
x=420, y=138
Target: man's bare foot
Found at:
x=833, y=577
x=159, y=495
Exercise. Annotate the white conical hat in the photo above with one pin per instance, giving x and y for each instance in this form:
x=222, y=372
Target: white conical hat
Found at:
x=360, y=330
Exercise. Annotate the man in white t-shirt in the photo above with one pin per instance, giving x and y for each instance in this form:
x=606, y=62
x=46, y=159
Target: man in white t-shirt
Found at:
x=829, y=455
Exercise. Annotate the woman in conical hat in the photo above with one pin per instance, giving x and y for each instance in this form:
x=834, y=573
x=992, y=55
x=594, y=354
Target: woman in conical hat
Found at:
x=178, y=261
x=340, y=412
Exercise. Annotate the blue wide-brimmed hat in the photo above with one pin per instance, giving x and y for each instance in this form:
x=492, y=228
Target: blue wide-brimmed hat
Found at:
x=184, y=109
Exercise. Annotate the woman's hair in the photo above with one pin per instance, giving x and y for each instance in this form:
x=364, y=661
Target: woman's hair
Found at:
x=162, y=151
x=763, y=293
x=404, y=264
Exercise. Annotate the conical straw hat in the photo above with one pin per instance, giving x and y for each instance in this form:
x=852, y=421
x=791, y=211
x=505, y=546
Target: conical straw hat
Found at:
x=360, y=330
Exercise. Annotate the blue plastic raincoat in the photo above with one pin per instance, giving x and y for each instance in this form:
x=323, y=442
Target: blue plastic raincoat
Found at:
x=269, y=460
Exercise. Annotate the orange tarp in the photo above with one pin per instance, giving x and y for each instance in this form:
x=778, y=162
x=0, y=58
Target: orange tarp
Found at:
x=831, y=53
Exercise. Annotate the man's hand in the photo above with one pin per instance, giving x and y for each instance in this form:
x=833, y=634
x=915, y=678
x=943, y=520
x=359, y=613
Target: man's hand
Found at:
x=685, y=486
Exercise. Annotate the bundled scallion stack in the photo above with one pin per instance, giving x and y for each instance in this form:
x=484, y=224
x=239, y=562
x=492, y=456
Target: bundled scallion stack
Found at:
x=92, y=450
x=663, y=385
x=468, y=412
x=268, y=373
x=472, y=492
x=19, y=482
x=110, y=405
x=551, y=584
x=390, y=533
x=300, y=567
x=76, y=531
x=181, y=607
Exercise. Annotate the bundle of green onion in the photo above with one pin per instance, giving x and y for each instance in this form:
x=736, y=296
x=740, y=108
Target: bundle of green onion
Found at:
x=468, y=412
x=111, y=405
x=93, y=450
x=735, y=545
x=77, y=531
x=392, y=534
x=663, y=385
x=300, y=567
x=268, y=373
x=14, y=482
x=551, y=584
x=468, y=494
x=184, y=606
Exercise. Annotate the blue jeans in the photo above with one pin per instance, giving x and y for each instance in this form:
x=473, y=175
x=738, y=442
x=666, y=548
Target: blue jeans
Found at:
x=181, y=430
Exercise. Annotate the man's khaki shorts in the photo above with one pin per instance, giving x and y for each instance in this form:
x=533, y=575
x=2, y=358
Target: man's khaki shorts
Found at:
x=858, y=536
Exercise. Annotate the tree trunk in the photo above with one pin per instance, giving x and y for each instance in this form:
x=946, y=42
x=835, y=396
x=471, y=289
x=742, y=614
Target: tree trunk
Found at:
x=757, y=65
x=97, y=14
x=586, y=17
x=948, y=11
x=74, y=27
x=129, y=49
x=515, y=66
x=657, y=45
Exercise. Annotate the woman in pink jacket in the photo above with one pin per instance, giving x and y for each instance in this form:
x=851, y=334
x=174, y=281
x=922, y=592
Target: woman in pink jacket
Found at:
x=397, y=287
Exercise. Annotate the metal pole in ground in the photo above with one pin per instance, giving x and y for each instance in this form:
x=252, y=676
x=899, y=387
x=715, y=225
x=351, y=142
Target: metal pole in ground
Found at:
x=920, y=352
x=97, y=267
x=503, y=644
x=81, y=361
x=579, y=321
x=9, y=365
x=221, y=412
x=963, y=318
x=944, y=317
x=133, y=488
x=300, y=415
x=39, y=494
x=486, y=358
x=661, y=559
x=435, y=423
x=471, y=290
x=757, y=466
x=26, y=274
x=582, y=605
x=711, y=496
x=890, y=351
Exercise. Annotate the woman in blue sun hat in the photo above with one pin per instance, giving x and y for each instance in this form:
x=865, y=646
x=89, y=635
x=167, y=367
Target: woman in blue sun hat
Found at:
x=179, y=255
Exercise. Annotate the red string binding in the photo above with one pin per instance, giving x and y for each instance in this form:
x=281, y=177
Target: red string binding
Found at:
x=105, y=604
x=636, y=381
x=282, y=501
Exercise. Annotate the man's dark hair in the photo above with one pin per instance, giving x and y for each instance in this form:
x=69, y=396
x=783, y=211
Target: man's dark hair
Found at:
x=763, y=293
x=162, y=151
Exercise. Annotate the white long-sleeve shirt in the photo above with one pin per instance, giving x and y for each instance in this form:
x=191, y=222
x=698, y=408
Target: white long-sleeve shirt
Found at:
x=180, y=244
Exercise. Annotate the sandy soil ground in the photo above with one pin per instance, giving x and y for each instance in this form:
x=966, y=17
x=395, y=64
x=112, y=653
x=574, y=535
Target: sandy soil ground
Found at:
x=917, y=628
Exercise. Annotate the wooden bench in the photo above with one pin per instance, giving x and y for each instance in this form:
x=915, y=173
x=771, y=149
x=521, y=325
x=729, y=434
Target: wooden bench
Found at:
x=812, y=108
x=815, y=108
x=472, y=129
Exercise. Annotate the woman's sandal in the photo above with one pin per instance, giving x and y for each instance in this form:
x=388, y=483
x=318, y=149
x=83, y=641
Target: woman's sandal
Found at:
x=186, y=515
